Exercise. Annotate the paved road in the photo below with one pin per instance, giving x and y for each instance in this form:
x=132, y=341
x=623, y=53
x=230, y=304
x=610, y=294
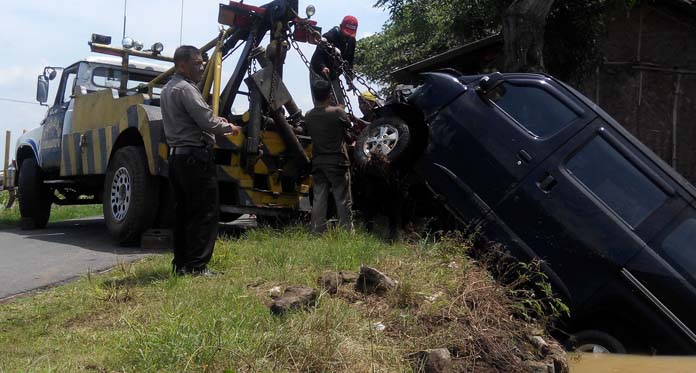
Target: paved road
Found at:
x=65, y=250
x=62, y=251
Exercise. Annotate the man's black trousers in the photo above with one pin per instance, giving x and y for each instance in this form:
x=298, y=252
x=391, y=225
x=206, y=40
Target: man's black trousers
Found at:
x=194, y=180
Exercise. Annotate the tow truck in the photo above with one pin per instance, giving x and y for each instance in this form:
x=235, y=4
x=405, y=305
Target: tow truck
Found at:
x=102, y=139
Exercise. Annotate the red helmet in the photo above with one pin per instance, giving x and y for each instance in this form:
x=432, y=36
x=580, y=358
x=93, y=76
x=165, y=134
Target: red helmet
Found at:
x=349, y=26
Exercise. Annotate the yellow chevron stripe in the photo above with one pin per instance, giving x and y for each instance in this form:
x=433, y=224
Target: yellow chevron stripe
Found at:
x=260, y=168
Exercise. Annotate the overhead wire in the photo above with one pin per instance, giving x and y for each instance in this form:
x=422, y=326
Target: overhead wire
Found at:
x=18, y=101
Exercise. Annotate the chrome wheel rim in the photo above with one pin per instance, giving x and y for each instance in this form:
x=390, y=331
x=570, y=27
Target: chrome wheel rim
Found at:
x=120, y=194
x=381, y=140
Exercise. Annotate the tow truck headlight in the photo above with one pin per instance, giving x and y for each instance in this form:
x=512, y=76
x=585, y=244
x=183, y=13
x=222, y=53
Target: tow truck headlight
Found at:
x=157, y=48
x=310, y=11
x=137, y=45
x=127, y=43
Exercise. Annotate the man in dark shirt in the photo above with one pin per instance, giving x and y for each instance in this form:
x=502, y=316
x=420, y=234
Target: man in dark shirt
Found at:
x=325, y=67
x=328, y=126
x=190, y=128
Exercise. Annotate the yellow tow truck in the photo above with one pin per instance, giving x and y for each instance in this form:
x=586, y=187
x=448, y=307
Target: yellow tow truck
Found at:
x=102, y=139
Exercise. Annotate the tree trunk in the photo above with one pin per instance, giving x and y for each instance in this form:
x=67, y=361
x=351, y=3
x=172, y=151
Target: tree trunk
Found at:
x=524, y=22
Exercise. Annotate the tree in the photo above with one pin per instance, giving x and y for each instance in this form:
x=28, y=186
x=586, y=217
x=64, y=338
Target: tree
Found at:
x=422, y=28
x=524, y=22
x=561, y=36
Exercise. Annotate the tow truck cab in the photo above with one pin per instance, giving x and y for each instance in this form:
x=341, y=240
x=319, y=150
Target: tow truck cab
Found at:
x=81, y=78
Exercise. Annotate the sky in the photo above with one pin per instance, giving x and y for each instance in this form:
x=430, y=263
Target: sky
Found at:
x=38, y=33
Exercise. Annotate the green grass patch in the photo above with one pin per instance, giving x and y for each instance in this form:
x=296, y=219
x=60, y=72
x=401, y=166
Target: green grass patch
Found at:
x=139, y=317
x=10, y=218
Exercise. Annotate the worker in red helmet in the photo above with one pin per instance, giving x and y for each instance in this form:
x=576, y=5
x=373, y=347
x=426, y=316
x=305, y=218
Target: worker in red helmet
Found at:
x=325, y=67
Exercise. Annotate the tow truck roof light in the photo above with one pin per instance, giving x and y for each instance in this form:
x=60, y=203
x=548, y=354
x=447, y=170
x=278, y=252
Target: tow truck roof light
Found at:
x=101, y=39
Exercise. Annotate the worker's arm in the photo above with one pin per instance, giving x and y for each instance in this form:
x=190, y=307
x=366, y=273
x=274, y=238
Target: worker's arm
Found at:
x=202, y=114
x=318, y=62
x=321, y=59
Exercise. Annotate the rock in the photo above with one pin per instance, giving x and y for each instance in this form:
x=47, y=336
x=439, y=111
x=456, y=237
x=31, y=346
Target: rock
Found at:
x=437, y=360
x=539, y=342
x=330, y=281
x=373, y=281
x=294, y=297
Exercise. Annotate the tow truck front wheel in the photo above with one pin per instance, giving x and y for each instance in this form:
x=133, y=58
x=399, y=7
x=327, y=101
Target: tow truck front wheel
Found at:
x=35, y=198
x=130, y=195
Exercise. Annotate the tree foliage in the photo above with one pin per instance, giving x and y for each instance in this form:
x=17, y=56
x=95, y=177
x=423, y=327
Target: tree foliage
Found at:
x=422, y=28
x=418, y=29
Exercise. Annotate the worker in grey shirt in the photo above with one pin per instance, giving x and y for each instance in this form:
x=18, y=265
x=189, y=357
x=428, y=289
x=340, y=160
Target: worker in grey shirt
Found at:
x=190, y=128
x=328, y=126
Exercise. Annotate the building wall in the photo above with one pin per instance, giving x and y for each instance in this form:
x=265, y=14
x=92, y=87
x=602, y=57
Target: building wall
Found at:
x=648, y=82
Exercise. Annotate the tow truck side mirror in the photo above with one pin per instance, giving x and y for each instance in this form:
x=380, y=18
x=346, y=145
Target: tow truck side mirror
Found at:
x=42, y=90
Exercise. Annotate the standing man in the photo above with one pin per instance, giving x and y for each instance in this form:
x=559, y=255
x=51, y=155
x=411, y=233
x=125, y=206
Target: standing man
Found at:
x=328, y=126
x=324, y=66
x=190, y=128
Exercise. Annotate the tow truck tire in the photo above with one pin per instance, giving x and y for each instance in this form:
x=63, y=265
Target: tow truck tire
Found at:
x=389, y=137
x=35, y=198
x=130, y=195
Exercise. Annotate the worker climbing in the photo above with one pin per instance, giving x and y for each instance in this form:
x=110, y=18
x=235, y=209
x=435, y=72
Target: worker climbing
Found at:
x=325, y=66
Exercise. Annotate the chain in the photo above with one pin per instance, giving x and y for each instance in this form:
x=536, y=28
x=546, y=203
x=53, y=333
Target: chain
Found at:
x=362, y=81
x=349, y=107
x=304, y=59
x=296, y=46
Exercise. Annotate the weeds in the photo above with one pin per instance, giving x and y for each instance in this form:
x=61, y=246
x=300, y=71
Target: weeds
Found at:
x=527, y=284
x=141, y=318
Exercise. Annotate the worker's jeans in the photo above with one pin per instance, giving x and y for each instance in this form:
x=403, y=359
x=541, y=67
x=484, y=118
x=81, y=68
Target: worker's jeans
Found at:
x=194, y=180
x=335, y=84
x=337, y=180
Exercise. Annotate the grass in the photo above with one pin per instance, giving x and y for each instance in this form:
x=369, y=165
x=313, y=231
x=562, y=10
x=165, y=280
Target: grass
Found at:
x=140, y=318
x=9, y=218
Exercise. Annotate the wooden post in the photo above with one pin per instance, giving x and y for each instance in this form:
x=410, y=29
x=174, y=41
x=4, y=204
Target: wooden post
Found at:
x=7, y=158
